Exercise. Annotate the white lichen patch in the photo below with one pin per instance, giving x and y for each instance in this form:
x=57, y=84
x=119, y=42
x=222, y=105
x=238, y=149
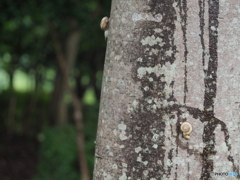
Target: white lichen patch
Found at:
x=115, y=132
x=198, y=146
x=165, y=103
x=155, y=137
x=151, y=40
x=146, y=88
x=168, y=70
x=154, y=51
x=213, y=28
x=169, y=163
x=124, y=165
x=179, y=161
x=139, y=159
x=149, y=101
x=117, y=57
x=122, y=127
x=146, y=17
x=114, y=166
x=145, y=172
x=151, y=79
x=169, y=53
x=138, y=149
x=123, y=177
x=145, y=163
x=123, y=136
x=135, y=103
x=159, y=162
x=122, y=146
x=154, y=106
x=158, y=30
x=106, y=175
x=101, y=133
x=184, y=115
x=130, y=109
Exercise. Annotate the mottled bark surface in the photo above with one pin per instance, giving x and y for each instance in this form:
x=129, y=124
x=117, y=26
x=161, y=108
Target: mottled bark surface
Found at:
x=169, y=62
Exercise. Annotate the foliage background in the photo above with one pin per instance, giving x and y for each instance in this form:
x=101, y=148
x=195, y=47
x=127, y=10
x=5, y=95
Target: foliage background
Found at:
x=34, y=143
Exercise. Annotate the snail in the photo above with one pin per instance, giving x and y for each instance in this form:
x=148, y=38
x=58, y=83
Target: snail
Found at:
x=104, y=26
x=186, y=128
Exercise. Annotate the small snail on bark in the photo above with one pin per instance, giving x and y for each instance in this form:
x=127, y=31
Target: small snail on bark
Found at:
x=186, y=128
x=104, y=26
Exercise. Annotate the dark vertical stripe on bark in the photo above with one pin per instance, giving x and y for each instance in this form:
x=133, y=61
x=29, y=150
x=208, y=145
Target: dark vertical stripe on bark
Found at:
x=210, y=81
x=211, y=77
x=183, y=15
x=202, y=25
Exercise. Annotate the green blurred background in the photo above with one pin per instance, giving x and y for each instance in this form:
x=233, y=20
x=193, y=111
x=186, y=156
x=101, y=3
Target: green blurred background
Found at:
x=49, y=49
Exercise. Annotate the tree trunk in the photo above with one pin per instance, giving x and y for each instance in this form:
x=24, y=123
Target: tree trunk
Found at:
x=11, y=105
x=78, y=118
x=65, y=63
x=31, y=107
x=66, y=58
x=168, y=62
x=58, y=106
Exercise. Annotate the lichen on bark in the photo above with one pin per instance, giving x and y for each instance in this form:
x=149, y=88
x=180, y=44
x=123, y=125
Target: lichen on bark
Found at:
x=161, y=69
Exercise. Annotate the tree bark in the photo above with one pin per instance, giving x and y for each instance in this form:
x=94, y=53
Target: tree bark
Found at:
x=168, y=62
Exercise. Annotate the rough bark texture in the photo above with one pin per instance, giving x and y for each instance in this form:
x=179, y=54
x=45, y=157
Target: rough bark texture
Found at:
x=169, y=62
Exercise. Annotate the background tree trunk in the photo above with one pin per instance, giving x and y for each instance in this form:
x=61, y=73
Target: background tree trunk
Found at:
x=12, y=104
x=78, y=118
x=169, y=62
x=65, y=63
x=66, y=58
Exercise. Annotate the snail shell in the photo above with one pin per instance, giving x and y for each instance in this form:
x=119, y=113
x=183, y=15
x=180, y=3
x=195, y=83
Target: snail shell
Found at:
x=104, y=23
x=186, y=128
